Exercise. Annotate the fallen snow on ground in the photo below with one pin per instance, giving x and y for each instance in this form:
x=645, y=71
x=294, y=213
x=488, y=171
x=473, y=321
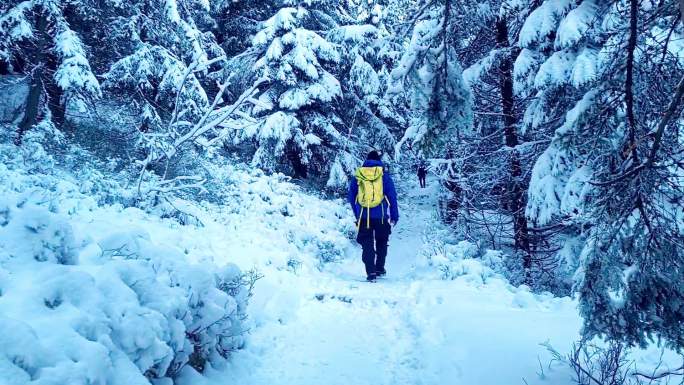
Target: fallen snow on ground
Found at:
x=330, y=327
x=413, y=327
x=97, y=293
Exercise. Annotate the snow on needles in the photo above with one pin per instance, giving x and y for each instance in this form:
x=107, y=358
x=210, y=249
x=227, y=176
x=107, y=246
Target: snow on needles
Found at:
x=542, y=21
x=74, y=73
x=557, y=186
x=575, y=24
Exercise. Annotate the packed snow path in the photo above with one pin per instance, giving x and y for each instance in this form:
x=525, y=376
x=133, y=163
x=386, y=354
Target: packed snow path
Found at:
x=329, y=328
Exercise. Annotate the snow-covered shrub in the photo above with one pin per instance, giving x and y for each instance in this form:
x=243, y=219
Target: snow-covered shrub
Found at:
x=36, y=154
x=39, y=163
x=18, y=364
x=100, y=290
x=211, y=305
x=465, y=260
x=33, y=232
x=84, y=310
x=312, y=230
x=329, y=252
x=606, y=362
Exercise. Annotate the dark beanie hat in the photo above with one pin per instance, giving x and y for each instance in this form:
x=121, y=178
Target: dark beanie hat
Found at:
x=373, y=155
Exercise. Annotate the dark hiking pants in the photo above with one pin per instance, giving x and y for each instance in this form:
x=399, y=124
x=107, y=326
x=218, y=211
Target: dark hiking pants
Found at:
x=421, y=179
x=373, y=239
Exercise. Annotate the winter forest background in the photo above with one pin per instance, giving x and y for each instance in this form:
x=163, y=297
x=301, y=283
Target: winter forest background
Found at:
x=552, y=129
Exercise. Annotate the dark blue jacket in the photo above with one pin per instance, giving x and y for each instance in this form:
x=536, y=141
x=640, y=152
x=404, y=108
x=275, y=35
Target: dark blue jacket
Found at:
x=390, y=192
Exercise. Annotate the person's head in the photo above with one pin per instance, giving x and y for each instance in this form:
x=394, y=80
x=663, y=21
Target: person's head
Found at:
x=374, y=155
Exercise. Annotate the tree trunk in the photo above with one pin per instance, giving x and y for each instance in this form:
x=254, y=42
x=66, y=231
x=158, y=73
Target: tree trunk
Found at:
x=4, y=67
x=298, y=167
x=453, y=204
x=32, y=109
x=516, y=191
x=54, y=94
x=629, y=81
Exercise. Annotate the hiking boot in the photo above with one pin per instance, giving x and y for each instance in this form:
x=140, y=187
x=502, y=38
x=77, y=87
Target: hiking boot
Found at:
x=381, y=273
x=371, y=278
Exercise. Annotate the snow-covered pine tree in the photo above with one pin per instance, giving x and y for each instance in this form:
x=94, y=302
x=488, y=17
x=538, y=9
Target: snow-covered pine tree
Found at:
x=429, y=76
x=157, y=41
x=36, y=40
x=494, y=162
x=369, y=119
x=167, y=68
x=238, y=19
x=369, y=12
x=608, y=78
x=554, y=71
x=300, y=129
x=427, y=83
x=164, y=87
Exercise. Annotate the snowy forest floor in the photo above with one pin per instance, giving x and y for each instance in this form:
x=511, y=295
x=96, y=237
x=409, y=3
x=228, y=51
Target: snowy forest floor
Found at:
x=411, y=328
x=312, y=319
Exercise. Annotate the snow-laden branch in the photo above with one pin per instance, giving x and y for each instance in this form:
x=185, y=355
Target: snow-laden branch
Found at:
x=194, y=67
x=179, y=183
x=672, y=108
x=214, y=120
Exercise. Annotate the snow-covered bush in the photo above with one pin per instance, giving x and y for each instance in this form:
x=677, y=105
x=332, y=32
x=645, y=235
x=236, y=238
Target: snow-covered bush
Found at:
x=33, y=232
x=99, y=290
x=312, y=230
x=605, y=362
x=87, y=307
x=40, y=161
x=329, y=252
x=464, y=260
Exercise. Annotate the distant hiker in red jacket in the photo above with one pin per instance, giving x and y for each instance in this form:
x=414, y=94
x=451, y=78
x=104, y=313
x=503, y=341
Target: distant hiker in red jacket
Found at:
x=373, y=198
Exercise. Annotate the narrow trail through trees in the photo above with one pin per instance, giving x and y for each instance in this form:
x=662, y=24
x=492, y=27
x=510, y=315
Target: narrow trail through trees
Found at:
x=407, y=329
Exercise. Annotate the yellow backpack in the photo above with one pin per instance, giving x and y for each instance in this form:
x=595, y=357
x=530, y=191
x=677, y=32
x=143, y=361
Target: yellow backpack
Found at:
x=369, y=180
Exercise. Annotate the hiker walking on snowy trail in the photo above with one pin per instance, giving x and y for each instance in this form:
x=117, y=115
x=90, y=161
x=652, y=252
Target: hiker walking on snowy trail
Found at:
x=374, y=200
x=422, y=173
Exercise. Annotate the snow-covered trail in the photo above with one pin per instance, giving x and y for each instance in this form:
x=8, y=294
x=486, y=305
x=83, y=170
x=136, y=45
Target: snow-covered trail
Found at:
x=416, y=214
x=331, y=328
